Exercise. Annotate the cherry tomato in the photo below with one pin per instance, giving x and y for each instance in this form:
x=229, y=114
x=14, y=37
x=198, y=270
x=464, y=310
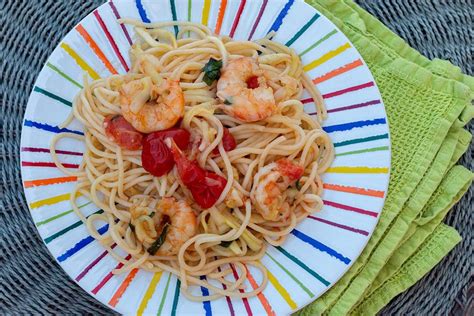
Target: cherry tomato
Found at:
x=252, y=82
x=156, y=156
x=179, y=135
x=122, y=132
x=205, y=186
x=289, y=169
x=228, y=141
x=207, y=191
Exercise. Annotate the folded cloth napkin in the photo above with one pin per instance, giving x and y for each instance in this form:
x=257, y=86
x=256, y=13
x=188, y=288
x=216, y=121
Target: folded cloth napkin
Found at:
x=428, y=103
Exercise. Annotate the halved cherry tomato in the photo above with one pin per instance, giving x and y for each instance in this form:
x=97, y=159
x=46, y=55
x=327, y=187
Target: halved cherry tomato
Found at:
x=289, y=169
x=156, y=156
x=179, y=135
x=252, y=82
x=207, y=191
x=228, y=141
x=205, y=186
x=122, y=132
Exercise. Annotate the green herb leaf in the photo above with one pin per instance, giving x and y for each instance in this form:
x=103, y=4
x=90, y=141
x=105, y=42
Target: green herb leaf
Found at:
x=227, y=102
x=159, y=241
x=151, y=214
x=226, y=244
x=132, y=227
x=298, y=184
x=212, y=71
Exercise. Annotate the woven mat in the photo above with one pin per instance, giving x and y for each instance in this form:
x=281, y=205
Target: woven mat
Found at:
x=31, y=282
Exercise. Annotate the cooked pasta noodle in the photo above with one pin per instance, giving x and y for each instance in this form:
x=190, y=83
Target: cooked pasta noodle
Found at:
x=237, y=227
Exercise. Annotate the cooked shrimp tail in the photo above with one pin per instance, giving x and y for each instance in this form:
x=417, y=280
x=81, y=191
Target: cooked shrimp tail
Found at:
x=149, y=107
x=182, y=225
x=270, y=185
x=244, y=92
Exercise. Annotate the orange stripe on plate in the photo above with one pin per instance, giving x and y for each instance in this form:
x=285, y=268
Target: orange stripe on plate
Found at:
x=40, y=182
x=260, y=295
x=123, y=287
x=220, y=16
x=338, y=71
x=355, y=190
x=96, y=48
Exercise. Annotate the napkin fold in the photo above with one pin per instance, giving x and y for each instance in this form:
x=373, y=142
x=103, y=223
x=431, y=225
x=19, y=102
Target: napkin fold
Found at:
x=428, y=103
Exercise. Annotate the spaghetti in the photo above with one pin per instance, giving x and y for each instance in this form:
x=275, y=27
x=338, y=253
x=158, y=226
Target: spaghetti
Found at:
x=246, y=160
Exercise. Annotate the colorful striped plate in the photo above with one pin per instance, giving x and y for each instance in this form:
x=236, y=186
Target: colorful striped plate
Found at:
x=317, y=253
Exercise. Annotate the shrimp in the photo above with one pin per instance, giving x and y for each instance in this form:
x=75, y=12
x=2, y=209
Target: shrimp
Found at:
x=243, y=89
x=183, y=225
x=268, y=194
x=150, y=107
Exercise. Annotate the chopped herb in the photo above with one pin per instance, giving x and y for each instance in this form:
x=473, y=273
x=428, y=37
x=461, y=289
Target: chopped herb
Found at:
x=158, y=242
x=298, y=184
x=227, y=102
x=132, y=227
x=152, y=214
x=212, y=71
x=226, y=244
x=259, y=52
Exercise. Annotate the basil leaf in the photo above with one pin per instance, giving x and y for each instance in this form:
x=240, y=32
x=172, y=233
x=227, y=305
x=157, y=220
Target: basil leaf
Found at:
x=298, y=184
x=151, y=214
x=212, y=71
x=226, y=244
x=212, y=65
x=158, y=242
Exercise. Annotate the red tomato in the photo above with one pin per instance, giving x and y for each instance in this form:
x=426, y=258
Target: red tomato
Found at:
x=122, y=132
x=228, y=141
x=289, y=169
x=252, y=82
x=179, y=135
x=156, y=156
x=206, y=192
x=205, y=186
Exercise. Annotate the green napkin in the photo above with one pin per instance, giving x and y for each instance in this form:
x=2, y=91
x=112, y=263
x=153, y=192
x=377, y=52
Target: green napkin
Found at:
x=428, y=103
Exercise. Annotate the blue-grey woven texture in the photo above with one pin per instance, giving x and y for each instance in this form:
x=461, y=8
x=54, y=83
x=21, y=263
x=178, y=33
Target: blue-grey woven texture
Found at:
x=31, y=282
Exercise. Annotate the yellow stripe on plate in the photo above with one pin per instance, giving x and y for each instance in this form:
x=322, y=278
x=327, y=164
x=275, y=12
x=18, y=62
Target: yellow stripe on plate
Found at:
x=326, y=57
x=205, y=12
x=283, y=292
x=52, y=200
x=357, y=170
x=149, y=292
x=80, y=61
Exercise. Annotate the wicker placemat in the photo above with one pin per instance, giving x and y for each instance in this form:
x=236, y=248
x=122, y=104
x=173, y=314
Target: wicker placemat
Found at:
x=31, y=282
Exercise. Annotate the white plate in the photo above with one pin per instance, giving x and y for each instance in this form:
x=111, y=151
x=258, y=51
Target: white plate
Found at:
x=318, y=252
